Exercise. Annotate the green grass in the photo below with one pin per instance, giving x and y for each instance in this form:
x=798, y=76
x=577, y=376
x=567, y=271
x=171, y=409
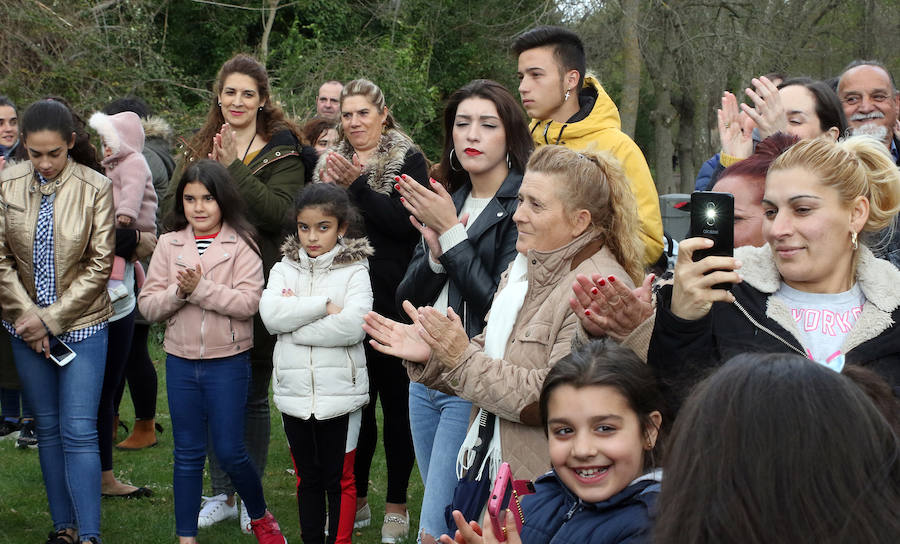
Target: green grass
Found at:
x=24, y=517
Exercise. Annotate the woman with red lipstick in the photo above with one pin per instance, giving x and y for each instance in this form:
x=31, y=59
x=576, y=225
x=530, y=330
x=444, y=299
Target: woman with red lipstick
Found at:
x=249, y=134
x=468, y=240
x=814, y=288
x=368, y=159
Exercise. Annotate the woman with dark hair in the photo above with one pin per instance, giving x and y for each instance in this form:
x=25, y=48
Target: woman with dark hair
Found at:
x=468, y=240
x=812, y=108
x=368, y=159
x=9, y=129
x=320, y=134
x=56, y=250
x=747, y=462
x=249, y=134
x=205, y=281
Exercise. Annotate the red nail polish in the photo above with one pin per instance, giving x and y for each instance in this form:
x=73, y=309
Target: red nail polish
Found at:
x=612, y=279
x=587, y=312
x=402, y=199
x=396, y=178
x=397, y=186
x=432, y=180
x=602, y=282
x=594, y=291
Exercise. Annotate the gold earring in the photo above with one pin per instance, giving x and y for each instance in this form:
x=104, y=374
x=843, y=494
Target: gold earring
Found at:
x=854, y=242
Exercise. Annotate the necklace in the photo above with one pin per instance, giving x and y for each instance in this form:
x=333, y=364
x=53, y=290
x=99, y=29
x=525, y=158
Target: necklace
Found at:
x=248, y=147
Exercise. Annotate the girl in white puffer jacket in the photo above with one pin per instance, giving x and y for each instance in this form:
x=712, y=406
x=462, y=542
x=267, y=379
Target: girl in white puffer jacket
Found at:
x=315, y=302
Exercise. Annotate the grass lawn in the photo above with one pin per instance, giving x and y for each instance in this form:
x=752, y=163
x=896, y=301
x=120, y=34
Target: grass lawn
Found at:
x=24, y=517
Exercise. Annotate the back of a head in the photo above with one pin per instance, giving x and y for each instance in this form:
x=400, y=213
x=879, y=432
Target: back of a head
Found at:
x=757, y=165
x=856, y=166
x=596, y=181
x=129, y=103
x=776, y=448
x=567, y=46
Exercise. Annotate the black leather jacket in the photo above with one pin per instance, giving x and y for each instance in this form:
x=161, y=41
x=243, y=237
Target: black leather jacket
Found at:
x=474, y=266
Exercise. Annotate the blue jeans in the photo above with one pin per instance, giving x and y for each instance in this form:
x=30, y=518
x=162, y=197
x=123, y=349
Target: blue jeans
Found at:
x=208, y=397
x=65, y=401
x=438, y=422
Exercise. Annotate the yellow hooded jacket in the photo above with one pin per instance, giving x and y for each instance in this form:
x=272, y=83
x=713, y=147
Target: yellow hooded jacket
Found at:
x=601, y=129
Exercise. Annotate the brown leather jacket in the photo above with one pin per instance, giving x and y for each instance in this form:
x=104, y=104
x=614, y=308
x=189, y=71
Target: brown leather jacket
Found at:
x=541, y=336
x=83, y=246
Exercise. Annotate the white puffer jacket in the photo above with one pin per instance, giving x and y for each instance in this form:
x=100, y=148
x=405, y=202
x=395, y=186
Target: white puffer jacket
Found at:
x=320, y=365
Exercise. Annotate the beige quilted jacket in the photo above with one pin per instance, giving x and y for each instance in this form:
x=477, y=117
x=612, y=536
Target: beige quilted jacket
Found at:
x=542, y=335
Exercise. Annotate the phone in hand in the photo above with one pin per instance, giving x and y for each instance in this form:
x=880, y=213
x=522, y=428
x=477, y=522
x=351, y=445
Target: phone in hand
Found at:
x=505, y=495
x=60, y=353
x=712, y=216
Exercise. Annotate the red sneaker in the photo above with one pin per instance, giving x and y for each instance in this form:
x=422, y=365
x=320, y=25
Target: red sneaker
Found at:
x=267, y=530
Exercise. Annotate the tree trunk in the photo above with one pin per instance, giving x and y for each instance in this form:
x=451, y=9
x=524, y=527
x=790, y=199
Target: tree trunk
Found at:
x=662, y=118
x=631, y=84
x=268, y=14
x=686, y=108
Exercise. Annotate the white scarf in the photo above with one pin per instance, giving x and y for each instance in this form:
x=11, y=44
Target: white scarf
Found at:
x=504, y=311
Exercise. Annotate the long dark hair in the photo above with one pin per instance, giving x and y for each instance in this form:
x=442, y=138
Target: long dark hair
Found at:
x=604, y=362
x=518, y=139
x=269, y=120
x=55, y=115
x=777, y=448
x=828, y=106
x=218, y=182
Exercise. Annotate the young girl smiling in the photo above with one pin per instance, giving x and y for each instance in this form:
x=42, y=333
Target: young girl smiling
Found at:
x=206, y=279
x=602, y=412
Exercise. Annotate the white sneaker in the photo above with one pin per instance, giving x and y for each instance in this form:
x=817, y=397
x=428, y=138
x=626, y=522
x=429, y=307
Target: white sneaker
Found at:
x=245, y=519
x=215, y=509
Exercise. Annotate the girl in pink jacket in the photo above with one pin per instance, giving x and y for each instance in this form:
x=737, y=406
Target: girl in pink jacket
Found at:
x=205, y=280
x=133, y=194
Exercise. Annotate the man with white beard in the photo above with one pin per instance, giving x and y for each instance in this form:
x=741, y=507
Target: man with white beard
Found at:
x=871, y=103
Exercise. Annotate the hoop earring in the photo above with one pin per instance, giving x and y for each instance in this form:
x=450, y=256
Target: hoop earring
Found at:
x=452, y=151
x=508, y=163
x=854, y=241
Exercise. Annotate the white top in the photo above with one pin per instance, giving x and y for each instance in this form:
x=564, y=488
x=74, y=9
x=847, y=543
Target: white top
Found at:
x=455, y=235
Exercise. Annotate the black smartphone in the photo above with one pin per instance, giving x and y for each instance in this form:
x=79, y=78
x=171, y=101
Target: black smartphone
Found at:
x=712, y=216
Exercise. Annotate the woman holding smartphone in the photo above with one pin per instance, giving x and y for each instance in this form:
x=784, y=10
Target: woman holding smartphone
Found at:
x=56, y=251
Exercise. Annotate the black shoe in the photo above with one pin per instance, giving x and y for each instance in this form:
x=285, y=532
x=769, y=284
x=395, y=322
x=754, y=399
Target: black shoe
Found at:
x=27, y=438
x=7, y=428
x=60, y=537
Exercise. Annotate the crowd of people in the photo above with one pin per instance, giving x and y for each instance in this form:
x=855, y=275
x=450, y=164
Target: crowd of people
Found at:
x=509, y=302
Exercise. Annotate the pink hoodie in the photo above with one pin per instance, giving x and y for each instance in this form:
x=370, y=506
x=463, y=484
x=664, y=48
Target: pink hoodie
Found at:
x=132, y=182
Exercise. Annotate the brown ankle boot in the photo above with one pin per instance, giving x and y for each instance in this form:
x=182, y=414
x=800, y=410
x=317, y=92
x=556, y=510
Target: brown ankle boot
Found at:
x=143, y=436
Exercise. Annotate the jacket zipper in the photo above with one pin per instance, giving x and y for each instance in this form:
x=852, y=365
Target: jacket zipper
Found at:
x=352, y=365
x=765, y=329
x=202, y=333
x=312, y=371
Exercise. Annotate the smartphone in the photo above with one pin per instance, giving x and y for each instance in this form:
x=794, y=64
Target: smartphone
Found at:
x=60, y=353
x=506, y=495
x=712, y=216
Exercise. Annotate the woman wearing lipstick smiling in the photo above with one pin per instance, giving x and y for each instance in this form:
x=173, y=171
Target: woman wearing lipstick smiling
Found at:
x=468, y=239
x=368, y=159
x=814, y=288
x=249, y=134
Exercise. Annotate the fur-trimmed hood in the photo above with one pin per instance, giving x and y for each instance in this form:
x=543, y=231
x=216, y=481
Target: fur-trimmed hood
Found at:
x=122, y=133
x=347, y=251
x=157, y=127
x=879, y=280
x=384, y=164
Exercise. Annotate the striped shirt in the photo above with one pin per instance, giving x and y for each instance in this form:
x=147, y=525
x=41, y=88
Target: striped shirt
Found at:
x=204, y=242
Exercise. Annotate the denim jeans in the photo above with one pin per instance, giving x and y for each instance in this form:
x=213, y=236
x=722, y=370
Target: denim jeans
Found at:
x=209, y=396
x=65, y=401
x=438, y=422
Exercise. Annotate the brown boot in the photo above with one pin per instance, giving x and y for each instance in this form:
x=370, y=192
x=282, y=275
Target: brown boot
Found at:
x=143, y=436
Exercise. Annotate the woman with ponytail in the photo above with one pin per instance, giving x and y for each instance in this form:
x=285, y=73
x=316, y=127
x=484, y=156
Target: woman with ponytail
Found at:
x=576, y=215
x=56, y=250
x=814, y=288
